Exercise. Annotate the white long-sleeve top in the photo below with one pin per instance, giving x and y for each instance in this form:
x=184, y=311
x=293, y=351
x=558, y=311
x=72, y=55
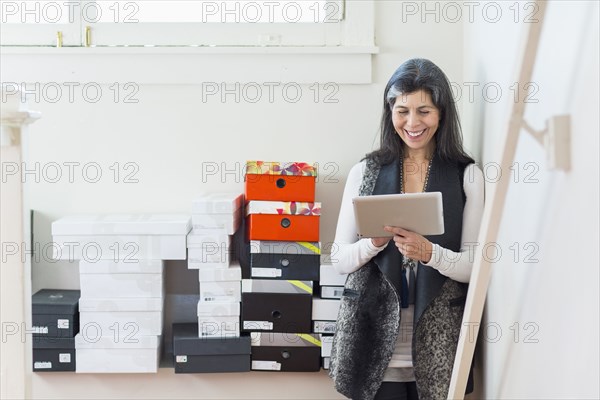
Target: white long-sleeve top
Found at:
x=350, y=254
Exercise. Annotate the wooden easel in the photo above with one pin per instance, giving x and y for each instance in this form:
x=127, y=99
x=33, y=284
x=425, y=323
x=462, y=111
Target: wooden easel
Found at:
x=492, y=214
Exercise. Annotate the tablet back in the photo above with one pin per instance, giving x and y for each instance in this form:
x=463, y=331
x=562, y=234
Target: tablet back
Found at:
x=418, y=212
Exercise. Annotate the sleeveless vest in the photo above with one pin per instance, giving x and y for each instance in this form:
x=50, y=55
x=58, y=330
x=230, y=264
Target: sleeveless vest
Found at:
x=370, y=313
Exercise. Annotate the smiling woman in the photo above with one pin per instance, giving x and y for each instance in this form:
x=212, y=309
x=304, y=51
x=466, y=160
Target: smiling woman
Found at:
x=397, y=338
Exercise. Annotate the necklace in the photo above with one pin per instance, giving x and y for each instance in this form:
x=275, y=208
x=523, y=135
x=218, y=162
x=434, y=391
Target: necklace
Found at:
x=409, y=262
x=424, y=183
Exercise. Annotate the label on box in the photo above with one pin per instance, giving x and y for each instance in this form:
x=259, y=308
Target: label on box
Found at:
x=42, y=365
x=324, y=326
x=266, y=365
x=223, y=298
x=332, y=292
x=181, y=359
x=40, y=329
x=62, y=324
x=64, y=358
x=266, y=272
x=262, y=325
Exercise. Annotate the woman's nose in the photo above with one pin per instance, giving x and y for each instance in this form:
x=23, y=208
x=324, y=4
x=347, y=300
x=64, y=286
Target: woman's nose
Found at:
x=412, y=120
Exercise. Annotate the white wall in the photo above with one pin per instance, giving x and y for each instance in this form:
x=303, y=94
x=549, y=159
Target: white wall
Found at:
x=556, y=355
x=171, y=135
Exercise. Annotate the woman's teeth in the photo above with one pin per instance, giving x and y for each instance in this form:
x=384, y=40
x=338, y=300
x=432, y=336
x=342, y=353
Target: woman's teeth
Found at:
x=415, y=133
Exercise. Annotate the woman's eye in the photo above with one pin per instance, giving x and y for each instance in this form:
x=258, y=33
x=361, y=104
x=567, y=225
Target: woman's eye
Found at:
x=402, y=112
x=424, y=112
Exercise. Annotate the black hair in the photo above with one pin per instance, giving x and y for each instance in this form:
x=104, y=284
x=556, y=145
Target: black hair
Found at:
x=414, y=75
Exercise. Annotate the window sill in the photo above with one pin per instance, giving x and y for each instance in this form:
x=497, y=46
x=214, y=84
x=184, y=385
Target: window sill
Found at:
x=188, y=65
x=189, y=50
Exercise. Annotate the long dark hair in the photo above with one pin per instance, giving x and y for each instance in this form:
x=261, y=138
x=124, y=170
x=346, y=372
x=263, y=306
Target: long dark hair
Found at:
x=414, y=75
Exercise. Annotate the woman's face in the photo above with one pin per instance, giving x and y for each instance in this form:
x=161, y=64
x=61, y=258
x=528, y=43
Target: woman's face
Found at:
x=416, y=119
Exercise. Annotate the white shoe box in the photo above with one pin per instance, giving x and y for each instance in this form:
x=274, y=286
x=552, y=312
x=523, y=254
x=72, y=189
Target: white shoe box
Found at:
x=326, y=345
x=218, y=309
x=328, y=276
x=127, y=317
x=228, y=326
x=217, y=210
x=217, y=203
x=122, y=224
x=229, y=222
x=115, y=279
x=121, y=267
x=209, y=246
x=230, y=291
x=119, y=247
x=210, y=255
x=325, y=309
x=121, y=237
x=233, y=273
x=125, y=355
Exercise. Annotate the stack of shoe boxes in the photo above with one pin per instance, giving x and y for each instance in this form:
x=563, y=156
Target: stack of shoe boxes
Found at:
x=55, y=319
x=121, y=276
x=326, y=308
x=283, y=230
x=215, y=343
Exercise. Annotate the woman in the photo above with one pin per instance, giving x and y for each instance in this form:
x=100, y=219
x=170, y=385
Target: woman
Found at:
x=402, y=307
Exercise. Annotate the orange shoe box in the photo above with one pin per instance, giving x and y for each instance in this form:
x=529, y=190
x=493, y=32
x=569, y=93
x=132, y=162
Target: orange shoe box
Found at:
x=283, y=221
x=283, y=181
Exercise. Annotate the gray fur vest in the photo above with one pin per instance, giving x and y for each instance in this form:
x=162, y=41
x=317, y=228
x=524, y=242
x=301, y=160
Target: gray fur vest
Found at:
x=369, y=317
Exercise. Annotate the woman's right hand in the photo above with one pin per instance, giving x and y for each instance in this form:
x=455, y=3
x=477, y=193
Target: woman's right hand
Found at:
x=379, y=241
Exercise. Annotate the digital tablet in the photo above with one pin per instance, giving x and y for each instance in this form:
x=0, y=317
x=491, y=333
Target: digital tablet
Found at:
x=418, y=212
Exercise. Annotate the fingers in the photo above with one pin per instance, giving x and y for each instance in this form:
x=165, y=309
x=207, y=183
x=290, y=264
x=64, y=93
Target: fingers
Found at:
x=397, y=230
x=410, y=249
x=409, y=243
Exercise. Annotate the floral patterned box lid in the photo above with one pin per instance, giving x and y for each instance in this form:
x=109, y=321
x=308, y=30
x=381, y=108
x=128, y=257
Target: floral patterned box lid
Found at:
x=280, y=168
x=283, y=208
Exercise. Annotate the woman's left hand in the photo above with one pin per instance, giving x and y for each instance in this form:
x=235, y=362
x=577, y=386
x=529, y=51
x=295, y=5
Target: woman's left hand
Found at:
x=411, y=244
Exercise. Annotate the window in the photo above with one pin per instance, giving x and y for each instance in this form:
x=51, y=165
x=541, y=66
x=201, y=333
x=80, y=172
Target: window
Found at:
x=148, y=23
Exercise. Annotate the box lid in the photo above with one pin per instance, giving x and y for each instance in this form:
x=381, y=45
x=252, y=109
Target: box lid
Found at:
x=121, y=304
x=283, y=207
x=123, y=224
x=217, y=203
x=55, y=301
x=45, y=342
x=280, y=168
x=279, y=247
x=187, y=342
x=121, y=267
x=285, y=339
x=108, y=342
x=276, y=286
